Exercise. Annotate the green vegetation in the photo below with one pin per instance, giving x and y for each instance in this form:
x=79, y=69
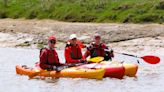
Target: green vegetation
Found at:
x=121, y=11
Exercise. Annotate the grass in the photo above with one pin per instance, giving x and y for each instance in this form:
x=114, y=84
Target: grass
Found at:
x=120, y=11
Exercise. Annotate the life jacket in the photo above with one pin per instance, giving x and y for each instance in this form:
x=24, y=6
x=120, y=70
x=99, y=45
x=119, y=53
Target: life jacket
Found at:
x=47, y=56
x=99, y=51
x=74, y=55
x=96, y=50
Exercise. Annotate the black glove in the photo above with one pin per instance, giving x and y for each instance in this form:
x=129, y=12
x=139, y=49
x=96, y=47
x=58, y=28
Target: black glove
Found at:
x=111, y=51
x=82, y=61
x=54, y=68
x=59, y=68
x=70, y=65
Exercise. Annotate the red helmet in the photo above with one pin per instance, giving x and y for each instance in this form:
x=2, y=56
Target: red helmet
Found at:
x=52, y=38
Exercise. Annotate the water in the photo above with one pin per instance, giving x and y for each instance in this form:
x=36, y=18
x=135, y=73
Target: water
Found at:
x=150, y=77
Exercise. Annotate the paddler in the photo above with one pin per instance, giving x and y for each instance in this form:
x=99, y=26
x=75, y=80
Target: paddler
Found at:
x=49, y=59
x=97, y=48
x=73, y=53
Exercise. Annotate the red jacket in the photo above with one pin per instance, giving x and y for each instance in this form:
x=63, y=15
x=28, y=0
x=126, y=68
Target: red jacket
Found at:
x=73, y=54
x=48, y=59
x=95, y=50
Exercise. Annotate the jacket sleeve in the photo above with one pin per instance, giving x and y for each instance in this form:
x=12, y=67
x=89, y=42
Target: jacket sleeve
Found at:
x=68, y=56
x=43, y=60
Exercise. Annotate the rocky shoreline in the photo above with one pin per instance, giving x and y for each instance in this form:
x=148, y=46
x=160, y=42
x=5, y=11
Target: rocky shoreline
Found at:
x=124, y=37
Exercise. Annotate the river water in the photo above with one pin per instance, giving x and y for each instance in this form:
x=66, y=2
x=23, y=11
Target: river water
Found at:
x=150, y=78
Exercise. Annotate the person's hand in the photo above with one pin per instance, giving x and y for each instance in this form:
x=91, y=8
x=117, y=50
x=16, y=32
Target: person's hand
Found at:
x=82, y=61
x=54, y=67
x=59, y=68
x=70, y=65
x=111, y=51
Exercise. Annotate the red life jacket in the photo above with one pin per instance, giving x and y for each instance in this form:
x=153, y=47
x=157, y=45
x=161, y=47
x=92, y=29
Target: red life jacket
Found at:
x=72, y=53
x=48, y=58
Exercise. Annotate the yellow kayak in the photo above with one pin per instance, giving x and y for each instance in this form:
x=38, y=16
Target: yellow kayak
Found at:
x=73, y=72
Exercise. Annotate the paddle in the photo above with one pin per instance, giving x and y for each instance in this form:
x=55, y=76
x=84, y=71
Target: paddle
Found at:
x=59, y=68
x=96, y=60
x=149, y=58
x=93, y=60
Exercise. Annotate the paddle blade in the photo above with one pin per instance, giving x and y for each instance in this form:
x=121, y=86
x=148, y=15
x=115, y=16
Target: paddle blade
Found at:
x=151, y=59
x=96, y=59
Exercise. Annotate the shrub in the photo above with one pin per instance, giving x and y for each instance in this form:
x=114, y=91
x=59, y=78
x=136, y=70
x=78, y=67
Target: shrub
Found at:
x=160, y=5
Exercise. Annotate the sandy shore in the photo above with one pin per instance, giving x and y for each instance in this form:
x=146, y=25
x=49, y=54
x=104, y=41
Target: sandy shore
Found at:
x=122, y=37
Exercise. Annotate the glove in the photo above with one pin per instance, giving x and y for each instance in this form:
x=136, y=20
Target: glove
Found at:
x=58, y=69
x=82, y=61
x=111, y=51
x=90, y=47
x=54, y=67
x=70, y=65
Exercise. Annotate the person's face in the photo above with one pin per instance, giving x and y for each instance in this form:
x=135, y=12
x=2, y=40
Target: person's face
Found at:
x=97, y=40
x=73, y=41
x=51, y=43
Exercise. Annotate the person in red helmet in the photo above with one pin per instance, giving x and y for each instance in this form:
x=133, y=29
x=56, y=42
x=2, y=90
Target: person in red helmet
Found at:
x=48, y=56
x=97, y=48
x=73, y=52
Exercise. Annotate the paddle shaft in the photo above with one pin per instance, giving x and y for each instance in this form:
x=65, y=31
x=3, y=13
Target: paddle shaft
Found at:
x=128, y=55
x=58, y=69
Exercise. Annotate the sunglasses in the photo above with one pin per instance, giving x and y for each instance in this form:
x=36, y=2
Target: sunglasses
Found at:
x=97, y=37
x=52, y=41
x=74, y=39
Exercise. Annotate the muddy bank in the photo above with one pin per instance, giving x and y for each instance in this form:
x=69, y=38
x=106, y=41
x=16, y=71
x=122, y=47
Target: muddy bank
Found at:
x=33, y=33
x=141, y=46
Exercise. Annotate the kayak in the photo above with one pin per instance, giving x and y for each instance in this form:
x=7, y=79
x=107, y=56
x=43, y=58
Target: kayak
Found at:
x=111, y=69
x=73, y=72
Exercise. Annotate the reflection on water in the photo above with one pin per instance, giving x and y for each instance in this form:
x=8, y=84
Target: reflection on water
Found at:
x=149, y=77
